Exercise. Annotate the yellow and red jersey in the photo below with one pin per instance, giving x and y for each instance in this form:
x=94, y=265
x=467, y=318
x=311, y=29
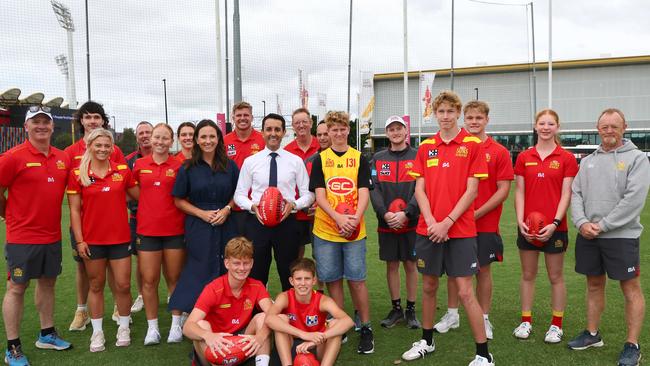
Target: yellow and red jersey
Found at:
x=543, y=180
x=36, y=185
x=157, y=214
x=499, y=166
x=445, y=168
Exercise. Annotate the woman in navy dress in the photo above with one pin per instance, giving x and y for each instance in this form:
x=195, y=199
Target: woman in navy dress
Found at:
x=204, y=189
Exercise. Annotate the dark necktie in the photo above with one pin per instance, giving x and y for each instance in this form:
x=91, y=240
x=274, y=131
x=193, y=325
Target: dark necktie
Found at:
x=273, y=173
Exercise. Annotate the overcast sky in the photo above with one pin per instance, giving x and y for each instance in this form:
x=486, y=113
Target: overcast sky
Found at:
x=134, y=45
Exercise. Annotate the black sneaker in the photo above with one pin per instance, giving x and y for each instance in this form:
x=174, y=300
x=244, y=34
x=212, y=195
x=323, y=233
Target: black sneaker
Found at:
x=366, y=341
x=412, y=321
x=394, y=316
x=585, y=340
x=630, y=356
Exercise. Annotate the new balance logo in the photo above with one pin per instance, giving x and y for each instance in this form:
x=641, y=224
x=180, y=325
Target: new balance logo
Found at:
x=50, y=179
x=106, y=189
x=540, y=175
x=473, y=265
x=631, y=269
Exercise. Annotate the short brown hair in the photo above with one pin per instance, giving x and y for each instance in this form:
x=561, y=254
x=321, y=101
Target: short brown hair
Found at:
x=611, y=111
x=301, y=110
x=447, y=96
x=303, y=264
x=165, y=127
x=337, y=117
x=239, y=247
x=242, y=105
x=477, y=105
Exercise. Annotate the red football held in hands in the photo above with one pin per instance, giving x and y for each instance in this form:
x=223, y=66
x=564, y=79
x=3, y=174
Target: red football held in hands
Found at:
x=271, y=206
x=535, y=222
x=397, y=205
x=347, y=209
x=305, y=359
x=234, y=355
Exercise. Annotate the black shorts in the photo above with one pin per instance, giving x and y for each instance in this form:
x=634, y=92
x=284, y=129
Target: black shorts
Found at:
x=156, y=243
x=396, y=246
x=490, y=248
x=110, y=251
x=558, y=243
x=303, y=229
x=455, y=257
x=29, y=261
x=619, y=258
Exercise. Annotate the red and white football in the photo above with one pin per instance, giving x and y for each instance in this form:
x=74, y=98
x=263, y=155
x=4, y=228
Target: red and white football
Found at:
x=271, y=206
x=305, y=359
x=234, y=355
x=536, y=222
x=397, y=205
x=348, y=209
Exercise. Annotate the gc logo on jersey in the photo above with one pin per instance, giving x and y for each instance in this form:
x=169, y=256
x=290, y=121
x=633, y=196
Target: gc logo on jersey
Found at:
x=231, y=150
x=311, y=320
x=340, y=186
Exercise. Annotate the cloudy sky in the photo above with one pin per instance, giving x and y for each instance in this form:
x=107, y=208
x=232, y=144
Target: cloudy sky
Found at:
x=134, y=45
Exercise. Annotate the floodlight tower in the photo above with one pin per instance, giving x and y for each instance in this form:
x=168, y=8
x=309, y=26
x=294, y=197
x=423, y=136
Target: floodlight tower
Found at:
x=64, y=17
x=62, y=62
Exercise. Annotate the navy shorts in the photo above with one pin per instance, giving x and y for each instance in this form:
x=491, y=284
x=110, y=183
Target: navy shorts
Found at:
x=558, y=243
x=455, y=257
x=30, y=261
x=156, y=243
x=619, y=258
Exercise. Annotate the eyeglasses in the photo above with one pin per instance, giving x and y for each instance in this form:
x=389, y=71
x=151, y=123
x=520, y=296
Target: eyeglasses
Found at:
x=39, y=108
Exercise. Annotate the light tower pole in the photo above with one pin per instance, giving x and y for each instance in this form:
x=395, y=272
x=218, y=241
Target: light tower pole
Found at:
x=62, y=62
x=64, y=17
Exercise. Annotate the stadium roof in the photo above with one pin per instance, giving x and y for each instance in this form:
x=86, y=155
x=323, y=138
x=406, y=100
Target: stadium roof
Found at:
x=11, y=96
x=569, y=64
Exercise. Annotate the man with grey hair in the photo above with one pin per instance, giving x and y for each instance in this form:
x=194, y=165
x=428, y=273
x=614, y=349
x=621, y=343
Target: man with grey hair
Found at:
x=609, y=193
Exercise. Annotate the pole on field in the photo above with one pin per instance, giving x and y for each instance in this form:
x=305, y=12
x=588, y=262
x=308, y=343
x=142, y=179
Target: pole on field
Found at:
x=165, y=94
x=236, y=53
x=550, y=53
x=451, y=71
x=219, y=67
x=227, y=64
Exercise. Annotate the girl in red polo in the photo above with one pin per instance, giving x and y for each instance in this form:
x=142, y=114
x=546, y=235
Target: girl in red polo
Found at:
x=543, y=175
x=97, y=193
x=160, y=230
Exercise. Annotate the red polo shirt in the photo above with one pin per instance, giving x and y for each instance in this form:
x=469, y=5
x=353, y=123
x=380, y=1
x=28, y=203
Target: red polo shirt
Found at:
x=499, y=168
x=157, y=215
x=313, y=148
x=77, y=150
x=225, y=312
x=238, y=150
x=445, y=168
x=543, y=180
x=104, y=219
x=36, y=184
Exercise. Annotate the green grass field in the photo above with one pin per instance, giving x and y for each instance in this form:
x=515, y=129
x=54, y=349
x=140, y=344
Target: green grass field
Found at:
x=453, y=348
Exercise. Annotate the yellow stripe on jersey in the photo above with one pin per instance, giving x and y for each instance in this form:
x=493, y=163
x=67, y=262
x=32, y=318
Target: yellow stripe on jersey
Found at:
x=531, y=163
x=146, y=171
x=481, y=176
x=30, y=165
x=122, y=167
x=71, y=191
x=472, y=139
x=430, y=140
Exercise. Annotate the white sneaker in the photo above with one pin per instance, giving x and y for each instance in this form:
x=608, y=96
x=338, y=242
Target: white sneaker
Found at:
x=138, y=304
x=523, y=330
x=419, y=350
x=489, y=329
x=97, y=342
x=448, y=321
x=482, y=361
x=152, y=337
x=554, y=334
x=175, y=334
x=123, y=337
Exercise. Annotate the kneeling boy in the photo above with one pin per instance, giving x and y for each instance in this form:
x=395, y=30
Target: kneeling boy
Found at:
x=301, y=313
x=225, y=307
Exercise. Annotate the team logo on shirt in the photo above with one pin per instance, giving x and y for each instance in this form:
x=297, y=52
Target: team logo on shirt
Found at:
x=248, y=304
x=620, y=166
x=117, y=177
x=329, y=163
x=488, y=157
x=559, y=243
x=311, y=320
x=18, y=272
x=232, y=151
x=60, y=165
x=408, y=165
x=554, y=164
x=340, y=186
x=462, y=152
x=255, y=148
x=432, y=153
x=421, y=263
x=170, y=173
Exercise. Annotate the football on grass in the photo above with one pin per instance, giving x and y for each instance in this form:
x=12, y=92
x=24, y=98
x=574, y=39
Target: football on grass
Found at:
x=305, y=359
x=536, y=222
x=271, y=206
x=348, y=209
x=234, y=355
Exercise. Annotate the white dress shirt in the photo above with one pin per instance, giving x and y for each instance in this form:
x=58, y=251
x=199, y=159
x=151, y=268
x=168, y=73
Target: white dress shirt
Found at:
x=254, y=176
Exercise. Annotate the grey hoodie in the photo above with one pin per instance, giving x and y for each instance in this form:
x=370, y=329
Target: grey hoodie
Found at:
x=610, y=189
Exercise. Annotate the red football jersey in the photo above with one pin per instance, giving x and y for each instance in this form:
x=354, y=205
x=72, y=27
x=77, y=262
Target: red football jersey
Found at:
x=499, y=168
x=307, y=317
x=238, y=150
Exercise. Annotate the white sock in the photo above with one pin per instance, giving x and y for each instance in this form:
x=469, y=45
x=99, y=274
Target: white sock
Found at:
x=486, y=317
x=593, y=333
x=176, y=320
x=97, y=324
x=262, y=360
x=82, y=307
x=153, y=323
x=452, y=311
x=124, y=321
